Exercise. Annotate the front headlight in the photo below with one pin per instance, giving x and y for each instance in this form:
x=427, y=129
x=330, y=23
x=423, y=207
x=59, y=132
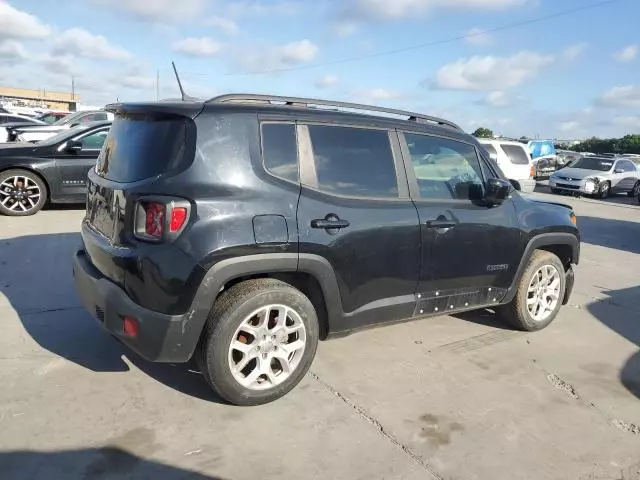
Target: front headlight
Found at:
x=590, y=185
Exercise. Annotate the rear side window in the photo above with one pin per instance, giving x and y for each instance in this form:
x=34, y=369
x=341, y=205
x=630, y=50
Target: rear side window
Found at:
x=280, y=150
x=445, y=169
x=354, y=161
x=491, y=150
x=94, y=141
x=141, y=146
x=516, y=154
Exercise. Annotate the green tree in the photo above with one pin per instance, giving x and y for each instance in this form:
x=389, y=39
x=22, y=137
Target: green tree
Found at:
x=483, y=132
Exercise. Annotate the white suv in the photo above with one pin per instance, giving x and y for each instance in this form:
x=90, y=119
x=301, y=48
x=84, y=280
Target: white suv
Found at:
x=514, y=160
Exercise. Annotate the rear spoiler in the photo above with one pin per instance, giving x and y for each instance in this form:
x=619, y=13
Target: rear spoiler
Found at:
x=189, y=109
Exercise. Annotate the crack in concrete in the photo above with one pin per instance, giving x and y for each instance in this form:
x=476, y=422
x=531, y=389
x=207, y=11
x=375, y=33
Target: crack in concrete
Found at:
x=362, y=413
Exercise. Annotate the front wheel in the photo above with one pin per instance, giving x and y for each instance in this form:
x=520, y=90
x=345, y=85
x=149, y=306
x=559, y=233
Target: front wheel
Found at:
x=605, y=189
x=539, y=295
x=555, y=190
x=22, y=193
x=259, y=341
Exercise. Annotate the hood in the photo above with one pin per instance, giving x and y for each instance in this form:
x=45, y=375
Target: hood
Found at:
x=546, y=202
x=15, y=149
x=20, y=125
x=578, y=173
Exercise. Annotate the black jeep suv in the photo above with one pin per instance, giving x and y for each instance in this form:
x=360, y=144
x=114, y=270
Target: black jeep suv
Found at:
x=243, y=229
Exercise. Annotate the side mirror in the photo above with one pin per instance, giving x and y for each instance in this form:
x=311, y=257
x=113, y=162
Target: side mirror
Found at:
x=618, y=170
x=515, y=184
x=73, y=146
x=497, y=191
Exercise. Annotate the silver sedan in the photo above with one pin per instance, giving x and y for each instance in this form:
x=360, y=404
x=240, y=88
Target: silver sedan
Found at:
x=599, y=176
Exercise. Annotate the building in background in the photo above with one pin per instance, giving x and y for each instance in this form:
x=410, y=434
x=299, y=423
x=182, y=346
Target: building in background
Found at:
x=21, y=98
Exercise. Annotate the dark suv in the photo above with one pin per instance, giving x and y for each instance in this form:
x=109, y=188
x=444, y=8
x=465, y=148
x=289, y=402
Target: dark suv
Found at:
x=243, y=229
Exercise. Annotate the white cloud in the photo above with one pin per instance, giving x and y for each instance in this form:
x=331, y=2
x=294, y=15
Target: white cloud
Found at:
x=15, y=23
x=377, y=10
x=11, y=50
x=344, y=28
x=373, y=95
x=627, y=96
x=77, y=41
x=569, y=126
x=263, y=58
x=490, y=73
x=197, y=47
x=572, y=52
x=477, y=36
x=225, y=25
x=327, y=81
x=59, y=64
x=627, y=54
x=630, y=122
x=497, y=99
x=263, y=7
x=138, y=81
x=157, y=10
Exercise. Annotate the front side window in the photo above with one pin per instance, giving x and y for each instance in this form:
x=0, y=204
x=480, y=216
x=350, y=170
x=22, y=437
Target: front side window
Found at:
x=445, y=169
x=94, y=141
x=280, y=150
x=354, y=161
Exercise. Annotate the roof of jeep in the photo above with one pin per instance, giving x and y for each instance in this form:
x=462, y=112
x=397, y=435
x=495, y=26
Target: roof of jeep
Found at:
x=298, y=110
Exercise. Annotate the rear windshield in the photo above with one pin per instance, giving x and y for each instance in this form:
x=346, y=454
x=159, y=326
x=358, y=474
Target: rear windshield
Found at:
x=590, y=163
x=141, y=146
x=516, y=154
x=491, y=149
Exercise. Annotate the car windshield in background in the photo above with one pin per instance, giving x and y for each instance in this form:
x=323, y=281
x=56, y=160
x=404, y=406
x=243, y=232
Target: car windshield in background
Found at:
x=516, y=154
x=591, y=163
x=61, y=136
x=68, y=119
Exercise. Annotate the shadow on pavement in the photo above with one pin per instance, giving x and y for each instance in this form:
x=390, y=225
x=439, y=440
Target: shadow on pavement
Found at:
x=617, y=234
x=36, y=278
x=89, y=464
x=625, y=322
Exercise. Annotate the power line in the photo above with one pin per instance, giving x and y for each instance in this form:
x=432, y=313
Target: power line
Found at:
x=531, y=21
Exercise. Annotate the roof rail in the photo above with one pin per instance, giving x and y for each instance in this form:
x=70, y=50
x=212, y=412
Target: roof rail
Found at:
x=309, y=102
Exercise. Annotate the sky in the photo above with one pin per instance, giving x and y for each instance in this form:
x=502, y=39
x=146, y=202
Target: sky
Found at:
x=539, y=68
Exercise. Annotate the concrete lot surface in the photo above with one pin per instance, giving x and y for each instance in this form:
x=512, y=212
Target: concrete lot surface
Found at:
x=445, y=398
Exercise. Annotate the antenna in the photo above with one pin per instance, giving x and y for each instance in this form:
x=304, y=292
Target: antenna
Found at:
x=175, y=70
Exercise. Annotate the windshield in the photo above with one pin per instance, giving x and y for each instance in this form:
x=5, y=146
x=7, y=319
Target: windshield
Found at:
x=62, y=136
x=68, y=119
x=591, y=163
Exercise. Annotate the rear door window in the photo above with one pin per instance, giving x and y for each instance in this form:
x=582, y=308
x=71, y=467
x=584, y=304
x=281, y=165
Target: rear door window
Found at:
x=516, y=154
x=141, y=146
x=280, y=150
x=491, y=150
x=354, y=161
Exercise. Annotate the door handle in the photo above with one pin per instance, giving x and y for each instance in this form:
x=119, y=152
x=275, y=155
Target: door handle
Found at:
x=328, y=224
x=440, y=224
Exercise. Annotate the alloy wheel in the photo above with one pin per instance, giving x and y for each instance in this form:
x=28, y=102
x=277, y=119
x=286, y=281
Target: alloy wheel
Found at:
x=543, y=293
x=19, y=193
x=267, y=347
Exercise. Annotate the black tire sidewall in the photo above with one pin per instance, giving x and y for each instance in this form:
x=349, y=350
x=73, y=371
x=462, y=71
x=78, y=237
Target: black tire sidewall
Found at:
x=217, y=348
x=535, y=265
x=43, y=189
x=605, y=193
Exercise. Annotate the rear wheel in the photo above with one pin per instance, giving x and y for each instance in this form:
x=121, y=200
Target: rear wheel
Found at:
x=555, y=190
x=22, y=193
x=539, y=295
x=259, y=341
x=635, y=191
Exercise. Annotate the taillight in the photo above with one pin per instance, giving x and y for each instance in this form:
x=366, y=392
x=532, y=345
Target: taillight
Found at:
x=532, y=171
x=158, y=221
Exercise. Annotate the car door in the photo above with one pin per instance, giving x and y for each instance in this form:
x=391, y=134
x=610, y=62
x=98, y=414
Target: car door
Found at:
x=355, y=211
x=625, y=176
x=469, y=250
x=73, y=163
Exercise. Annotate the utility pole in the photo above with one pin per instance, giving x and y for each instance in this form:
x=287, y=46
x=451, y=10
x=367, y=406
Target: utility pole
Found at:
x=157, y=85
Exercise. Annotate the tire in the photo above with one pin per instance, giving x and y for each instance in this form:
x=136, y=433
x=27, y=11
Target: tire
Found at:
x=231, y=316
x=635, y=191
x=30, y=187
x=605, y=190
x=517, y=312
x=555, y=190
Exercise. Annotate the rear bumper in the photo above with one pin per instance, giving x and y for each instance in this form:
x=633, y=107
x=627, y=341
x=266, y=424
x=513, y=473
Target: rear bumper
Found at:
x=160, y=336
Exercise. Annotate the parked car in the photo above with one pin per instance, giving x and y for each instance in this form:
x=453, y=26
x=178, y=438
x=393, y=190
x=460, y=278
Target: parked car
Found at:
x=41, y=132
x=243, y=229
x=597, y=175
x=544, y=157
x=8, y=120
x=52, y=116
x=513, y=159
x=53, y=170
